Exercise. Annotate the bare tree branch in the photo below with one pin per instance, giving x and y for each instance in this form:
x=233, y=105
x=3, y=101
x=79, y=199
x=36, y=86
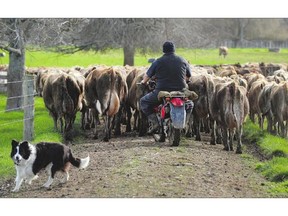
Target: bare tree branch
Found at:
x=10, y=49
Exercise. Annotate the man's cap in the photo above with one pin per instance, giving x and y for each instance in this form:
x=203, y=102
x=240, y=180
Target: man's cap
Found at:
x=168, y=47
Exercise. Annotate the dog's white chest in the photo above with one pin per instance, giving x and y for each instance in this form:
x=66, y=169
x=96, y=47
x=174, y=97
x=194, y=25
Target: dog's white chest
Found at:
x=24, y=171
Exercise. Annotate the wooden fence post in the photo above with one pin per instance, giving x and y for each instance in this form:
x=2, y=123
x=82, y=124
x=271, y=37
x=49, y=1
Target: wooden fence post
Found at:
x=28, y=104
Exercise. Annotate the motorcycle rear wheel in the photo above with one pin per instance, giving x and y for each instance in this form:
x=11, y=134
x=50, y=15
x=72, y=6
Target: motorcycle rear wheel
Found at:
x=174, y=135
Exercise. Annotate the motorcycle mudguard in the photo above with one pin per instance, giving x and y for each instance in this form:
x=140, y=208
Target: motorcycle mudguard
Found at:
x=178, y=116
x=177, y=102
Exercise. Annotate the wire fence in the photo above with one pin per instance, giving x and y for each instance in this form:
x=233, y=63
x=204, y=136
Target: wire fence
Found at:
x=27, y=106
x=16, y=122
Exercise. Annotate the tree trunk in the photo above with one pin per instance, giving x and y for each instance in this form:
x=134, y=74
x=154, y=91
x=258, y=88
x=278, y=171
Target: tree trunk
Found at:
x=129, y=52
x=241, y=25
x=16, y=67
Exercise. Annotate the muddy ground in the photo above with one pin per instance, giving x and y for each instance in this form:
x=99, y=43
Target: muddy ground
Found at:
x=130, y=166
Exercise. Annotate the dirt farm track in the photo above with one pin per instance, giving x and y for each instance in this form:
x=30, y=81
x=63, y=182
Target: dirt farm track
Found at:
x=130, y=166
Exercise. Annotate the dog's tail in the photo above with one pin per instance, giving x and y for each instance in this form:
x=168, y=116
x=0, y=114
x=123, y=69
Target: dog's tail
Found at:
x=78, y=162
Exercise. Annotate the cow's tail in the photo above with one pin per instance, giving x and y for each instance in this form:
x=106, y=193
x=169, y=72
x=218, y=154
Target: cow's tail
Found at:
x=113, y=103
x=67, y=102
x=80, y=163
x=286, y=91
x=232, y=91
x=74, y=91
x=207, y=91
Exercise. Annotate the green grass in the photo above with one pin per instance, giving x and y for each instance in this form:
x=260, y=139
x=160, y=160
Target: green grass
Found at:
x=279, y=189
x=115, y=57
x=211, y=57
x=275, y=170
x=270, y=145
x=275, y=148
x=12, y=127
x=84, y=58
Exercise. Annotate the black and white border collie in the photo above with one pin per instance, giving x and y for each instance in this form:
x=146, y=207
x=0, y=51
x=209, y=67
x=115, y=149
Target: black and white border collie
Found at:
x=30, y=159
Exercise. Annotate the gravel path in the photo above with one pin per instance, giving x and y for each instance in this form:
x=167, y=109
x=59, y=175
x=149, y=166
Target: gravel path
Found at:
x=131, y=166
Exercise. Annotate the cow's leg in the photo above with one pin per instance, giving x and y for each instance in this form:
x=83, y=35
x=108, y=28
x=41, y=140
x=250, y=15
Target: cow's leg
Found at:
x=95, y=116
x=231, y=137
x=136, y=121
x=107, y=128
x=252, y=117
x=225, y=139
x=286, y=128
x=282, y=126
x=54, y=116
x=68, y=126
x=260, y=121
x=201, y=124
x=218, y=134
x=142, y=123
x=117, y=122
x=197, y=127
x=128, y=121
x=61, y=124
x=207, y=125
x=213, y=140
x=239, y=141
x=270, y=123
x=83, y=120
x=86, y=119
x=97, y=119
x=189, y=126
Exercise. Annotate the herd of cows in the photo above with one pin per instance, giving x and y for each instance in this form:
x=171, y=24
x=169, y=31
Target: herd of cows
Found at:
x=227, y=94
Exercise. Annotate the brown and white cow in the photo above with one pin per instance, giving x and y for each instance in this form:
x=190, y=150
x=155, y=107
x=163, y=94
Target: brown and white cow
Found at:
x=253, y=95
x=80, y=79
x=202, y=85
x=104, y=90
x=279, y=107
x=135, y=76
x=41, y=76
x=136, y=91
x=61, y=95
x=223, y=50
x=230, y=107
x=264, y=104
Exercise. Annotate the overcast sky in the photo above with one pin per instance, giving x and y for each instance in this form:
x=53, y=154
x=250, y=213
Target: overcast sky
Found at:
x=144, y=8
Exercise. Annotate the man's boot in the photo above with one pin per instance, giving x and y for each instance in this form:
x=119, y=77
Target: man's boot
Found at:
x=153, y=123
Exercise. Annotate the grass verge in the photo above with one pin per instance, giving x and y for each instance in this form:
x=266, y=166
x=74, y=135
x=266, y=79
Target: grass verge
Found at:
x=275, y=151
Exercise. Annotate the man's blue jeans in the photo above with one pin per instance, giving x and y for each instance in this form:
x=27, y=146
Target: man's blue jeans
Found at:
x=148, y=102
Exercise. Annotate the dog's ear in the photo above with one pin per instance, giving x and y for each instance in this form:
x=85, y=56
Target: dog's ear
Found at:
x=14, y=143
x=24, y=143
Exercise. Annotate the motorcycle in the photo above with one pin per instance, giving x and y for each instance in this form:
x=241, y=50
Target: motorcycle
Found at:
x=173, y=115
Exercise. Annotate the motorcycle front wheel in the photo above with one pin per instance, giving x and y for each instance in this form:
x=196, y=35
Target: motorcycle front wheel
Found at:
x=174, y=135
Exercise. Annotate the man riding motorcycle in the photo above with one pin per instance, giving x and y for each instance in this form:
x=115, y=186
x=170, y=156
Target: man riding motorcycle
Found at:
x=172, y=72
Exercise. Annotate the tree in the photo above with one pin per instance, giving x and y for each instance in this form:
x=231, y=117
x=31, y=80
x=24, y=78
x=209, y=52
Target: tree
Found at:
x=127, y=33
x=142, y=34
x=191, y=33
x=16, y=33
x=16, y=48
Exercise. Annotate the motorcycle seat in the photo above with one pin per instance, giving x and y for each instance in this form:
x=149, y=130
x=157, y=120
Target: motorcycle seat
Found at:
x=177, y=94
x=163, y=94
x=191, y=95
